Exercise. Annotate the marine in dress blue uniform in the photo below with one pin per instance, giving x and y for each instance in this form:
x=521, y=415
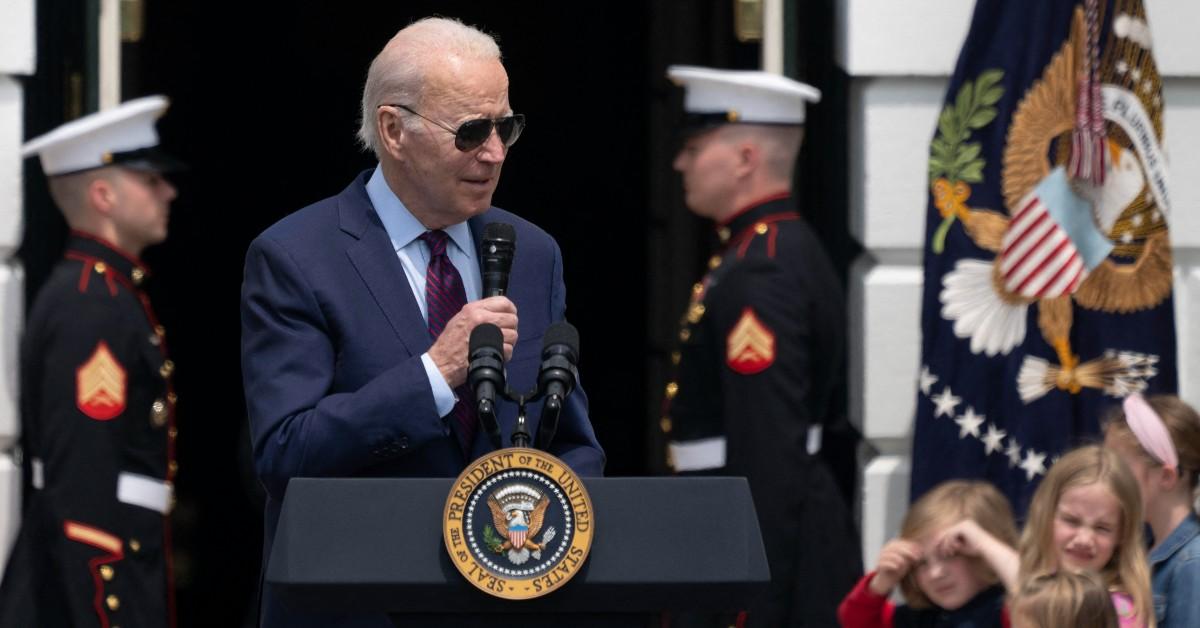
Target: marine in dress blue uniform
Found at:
x=761, y=355
x=97, y=401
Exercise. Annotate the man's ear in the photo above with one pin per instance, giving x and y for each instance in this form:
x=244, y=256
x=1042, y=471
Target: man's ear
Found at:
x=391, y=132
x=102, y=195
x=749, y=159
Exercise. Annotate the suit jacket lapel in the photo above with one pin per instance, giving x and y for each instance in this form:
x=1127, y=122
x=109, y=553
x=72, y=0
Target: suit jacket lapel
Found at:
x=372, y=255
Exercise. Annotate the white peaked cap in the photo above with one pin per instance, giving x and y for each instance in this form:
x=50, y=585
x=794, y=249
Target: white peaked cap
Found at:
x=100, y=139
x=743, y=95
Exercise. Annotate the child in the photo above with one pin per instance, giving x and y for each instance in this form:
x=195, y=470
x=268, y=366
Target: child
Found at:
x=1063, y=600
x=1159, y=438
x=1087, y=516
x=942, y=588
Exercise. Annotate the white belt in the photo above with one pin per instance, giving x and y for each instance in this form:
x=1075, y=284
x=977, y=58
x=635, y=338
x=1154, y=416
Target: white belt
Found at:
x=709, y=453
x=144, y=491
x=698, y=455
x=39, y=473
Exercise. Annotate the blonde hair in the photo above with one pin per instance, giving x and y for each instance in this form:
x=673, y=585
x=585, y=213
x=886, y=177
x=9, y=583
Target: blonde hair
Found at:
x=1128, y=568
x=1183, y=424
x=1064, y=599
x=947, y=504
x=398, y=74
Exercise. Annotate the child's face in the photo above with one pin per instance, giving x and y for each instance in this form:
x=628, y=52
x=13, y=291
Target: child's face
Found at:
x=1087, y=524
x=948, y=581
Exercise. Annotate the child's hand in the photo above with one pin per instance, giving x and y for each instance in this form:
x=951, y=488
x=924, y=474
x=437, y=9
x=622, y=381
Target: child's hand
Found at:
x=963, y=538
x=896, y=559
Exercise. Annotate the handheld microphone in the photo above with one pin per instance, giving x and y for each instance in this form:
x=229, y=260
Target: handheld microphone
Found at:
x=558, y=376
x=485, y=375
x=495, y=259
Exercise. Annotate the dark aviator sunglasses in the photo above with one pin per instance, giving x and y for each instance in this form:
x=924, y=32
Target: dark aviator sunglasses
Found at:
x=473, y=133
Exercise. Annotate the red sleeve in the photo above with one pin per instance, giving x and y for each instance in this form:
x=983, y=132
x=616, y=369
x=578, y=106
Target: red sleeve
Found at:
x=862, y=608
x=1004, y=622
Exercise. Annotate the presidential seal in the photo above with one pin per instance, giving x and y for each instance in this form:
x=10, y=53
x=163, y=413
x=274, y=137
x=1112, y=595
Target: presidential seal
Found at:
x=518, y=523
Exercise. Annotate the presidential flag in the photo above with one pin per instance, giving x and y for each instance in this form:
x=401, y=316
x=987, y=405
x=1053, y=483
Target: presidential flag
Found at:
x=1047, y=295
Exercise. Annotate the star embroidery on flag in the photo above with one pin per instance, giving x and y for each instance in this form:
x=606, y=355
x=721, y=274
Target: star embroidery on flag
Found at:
x=991, y=440
x=945, y=402
x=1013, y=451
x=926, y=380
x=1034, y=464
x=969, y=423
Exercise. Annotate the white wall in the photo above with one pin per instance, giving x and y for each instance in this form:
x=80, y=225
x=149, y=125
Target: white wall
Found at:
x=16, y=58
x=899, y=56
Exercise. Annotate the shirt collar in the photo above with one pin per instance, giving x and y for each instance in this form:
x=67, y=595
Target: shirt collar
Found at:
x=1187, y=530
x=401, y=226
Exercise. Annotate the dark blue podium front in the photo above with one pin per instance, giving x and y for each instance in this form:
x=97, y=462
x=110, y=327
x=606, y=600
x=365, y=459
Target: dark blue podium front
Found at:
x=661, y=544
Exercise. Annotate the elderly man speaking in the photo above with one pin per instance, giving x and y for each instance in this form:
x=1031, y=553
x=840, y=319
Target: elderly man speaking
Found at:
x=356, y=310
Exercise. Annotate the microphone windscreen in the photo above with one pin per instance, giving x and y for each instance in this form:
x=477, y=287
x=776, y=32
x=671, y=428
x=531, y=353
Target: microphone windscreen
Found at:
x=486, y=335
x=562, y=333
x=501, y=231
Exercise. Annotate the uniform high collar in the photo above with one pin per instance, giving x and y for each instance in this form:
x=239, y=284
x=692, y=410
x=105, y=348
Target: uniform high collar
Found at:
x=767, y=209
x=87, y=245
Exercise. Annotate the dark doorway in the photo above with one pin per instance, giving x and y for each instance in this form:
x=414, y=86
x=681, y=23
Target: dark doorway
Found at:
x=265, y=105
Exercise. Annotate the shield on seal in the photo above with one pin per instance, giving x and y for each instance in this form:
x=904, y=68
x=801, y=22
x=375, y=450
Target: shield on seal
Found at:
x=516, y=535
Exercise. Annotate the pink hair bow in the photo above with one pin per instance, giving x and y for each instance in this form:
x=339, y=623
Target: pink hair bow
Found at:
x=1150, y=430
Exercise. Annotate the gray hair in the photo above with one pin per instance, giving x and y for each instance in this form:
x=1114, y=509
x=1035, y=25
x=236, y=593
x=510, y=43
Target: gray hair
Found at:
x=398, y=72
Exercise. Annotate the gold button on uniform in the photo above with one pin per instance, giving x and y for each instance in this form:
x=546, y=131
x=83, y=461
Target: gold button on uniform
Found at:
x=684, y=334
x=675, y=357
x=172, y=467
x=172, y=398
x=665, y=424
x=137, y=275
x=113, y=602
x=100, y=267
x=158, y=413
x=135, y=545
x=695, y=313
x=760, y=228
x=697, y=288
x=166, y=369
x=106, y=572
x=172, y=433
x=723, y=233
x=714, y=262
x=159, y=330
x=672, y=390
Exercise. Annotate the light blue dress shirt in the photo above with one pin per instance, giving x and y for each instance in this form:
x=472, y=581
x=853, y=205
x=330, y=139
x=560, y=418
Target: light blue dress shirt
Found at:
x=404, y=231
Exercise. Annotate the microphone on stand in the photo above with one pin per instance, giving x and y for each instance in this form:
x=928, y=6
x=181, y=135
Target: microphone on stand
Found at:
x=485, y=375
x=495, y=257
x=558, y=376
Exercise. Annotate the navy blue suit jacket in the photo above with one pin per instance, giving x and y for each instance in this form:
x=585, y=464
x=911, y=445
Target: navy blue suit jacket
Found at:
x=331, y=344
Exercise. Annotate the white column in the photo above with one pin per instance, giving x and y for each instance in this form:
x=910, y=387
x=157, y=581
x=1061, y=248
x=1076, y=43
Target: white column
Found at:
x=17, y=51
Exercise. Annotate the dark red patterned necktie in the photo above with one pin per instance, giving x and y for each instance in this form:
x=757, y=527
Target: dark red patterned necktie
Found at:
x=444, y=297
